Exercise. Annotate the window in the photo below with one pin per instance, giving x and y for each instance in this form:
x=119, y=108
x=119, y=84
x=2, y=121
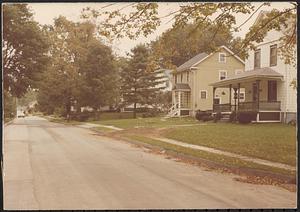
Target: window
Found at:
x=273, y=55
x=175, y=78
x=181, y=77
x=222, y=57
x=187, y=76
x=257, y=58
x=238, y=71
x=222, y=75
x=217, y=100
x=203, y=94
x=242, y=96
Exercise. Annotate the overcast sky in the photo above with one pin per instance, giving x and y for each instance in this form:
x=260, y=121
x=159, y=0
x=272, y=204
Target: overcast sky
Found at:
x=45, y=13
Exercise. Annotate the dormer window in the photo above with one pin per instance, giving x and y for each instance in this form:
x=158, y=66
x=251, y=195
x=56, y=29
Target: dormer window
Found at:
x=222, y=58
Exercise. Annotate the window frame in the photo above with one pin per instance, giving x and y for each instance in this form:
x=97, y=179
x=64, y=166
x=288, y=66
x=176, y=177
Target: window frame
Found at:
x=243, y=92
x=201, y=94
x=255, y=52
x=274, y=46
x=224, y=71
x=222, y=53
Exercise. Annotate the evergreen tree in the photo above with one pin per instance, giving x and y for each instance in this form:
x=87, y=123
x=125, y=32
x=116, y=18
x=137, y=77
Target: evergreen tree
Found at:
x=139, y=80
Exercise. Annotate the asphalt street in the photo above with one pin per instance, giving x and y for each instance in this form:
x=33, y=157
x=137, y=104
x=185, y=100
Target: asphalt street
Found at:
x=55, y=166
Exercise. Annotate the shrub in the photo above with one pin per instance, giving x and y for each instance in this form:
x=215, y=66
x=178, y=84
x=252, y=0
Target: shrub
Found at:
x=200, y=114
x=232, y=117
x=217, y=117
x=207, y=118
x=292, y=122
x=246, y=117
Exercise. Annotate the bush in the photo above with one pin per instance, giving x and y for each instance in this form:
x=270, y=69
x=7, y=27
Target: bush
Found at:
x=217, y=117
x=246, y=117
x=207, y=118
x=201, y=114
x=232, y=117
x=151, y=113
x=293, y=122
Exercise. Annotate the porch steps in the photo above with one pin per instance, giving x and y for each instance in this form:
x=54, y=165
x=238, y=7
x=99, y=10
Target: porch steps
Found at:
x=225, y=117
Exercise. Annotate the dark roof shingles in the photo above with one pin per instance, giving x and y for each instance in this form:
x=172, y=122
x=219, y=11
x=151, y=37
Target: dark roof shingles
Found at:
x=188, y=64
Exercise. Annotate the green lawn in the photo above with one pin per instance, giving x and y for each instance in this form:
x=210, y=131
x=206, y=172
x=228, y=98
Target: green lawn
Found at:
x=220, y=159
x=147, y=122
x=274, y=142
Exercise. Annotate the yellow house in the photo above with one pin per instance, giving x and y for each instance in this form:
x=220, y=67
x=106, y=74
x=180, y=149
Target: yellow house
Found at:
x=192, y=90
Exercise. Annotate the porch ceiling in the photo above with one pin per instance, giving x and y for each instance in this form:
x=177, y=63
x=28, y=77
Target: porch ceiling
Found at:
x=248, y=76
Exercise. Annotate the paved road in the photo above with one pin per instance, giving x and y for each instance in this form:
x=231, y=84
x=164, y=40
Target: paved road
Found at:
x=53, y=166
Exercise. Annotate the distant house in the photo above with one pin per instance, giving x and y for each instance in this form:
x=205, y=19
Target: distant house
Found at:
x=266, y=81
x=166, y=79
x=191, y=82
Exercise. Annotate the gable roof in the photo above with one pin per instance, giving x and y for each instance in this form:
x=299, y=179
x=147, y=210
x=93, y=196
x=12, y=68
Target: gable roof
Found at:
x=260, y=16
x=188, y=64
x=201, y=57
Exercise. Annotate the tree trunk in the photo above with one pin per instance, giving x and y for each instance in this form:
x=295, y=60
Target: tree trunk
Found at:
x=68, y=110
x=134, y=110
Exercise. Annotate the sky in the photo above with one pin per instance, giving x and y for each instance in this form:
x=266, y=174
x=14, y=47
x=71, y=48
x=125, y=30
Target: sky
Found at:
x=44, y=13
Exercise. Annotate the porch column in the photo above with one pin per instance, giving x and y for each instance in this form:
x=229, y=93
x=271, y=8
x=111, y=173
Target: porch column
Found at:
x=179, y=99
x=258, y=93
x=230, y=88
x=235, y=96
x=173, y=98
x=238, y=96
x=214, y=92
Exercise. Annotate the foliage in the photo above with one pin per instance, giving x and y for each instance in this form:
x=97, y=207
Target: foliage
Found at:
x=28, y=98
x=82, y=70
x=24, y=49
x=204, y=16
x=233, y=116
x=217, y=117
x=177, y=45
x=10, y=106
x=246, y=117
x=201, y=115
x=139, y=80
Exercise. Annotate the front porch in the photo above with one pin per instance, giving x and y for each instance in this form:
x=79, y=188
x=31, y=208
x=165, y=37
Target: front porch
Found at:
x=181, y=101
x=261, y=94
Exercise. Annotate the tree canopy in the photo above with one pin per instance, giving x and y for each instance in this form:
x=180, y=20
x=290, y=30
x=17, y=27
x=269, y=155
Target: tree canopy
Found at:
x=144, y=20
x=24, y=50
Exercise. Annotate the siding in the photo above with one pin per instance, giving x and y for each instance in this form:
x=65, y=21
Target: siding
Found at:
x=208, y=72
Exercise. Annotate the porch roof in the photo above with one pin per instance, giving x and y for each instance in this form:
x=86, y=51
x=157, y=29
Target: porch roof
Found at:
x=181, y=86
x=256, y=74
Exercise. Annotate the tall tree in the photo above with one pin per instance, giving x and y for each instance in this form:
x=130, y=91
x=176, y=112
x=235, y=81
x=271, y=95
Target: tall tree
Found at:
x=139, y=81
x=82, y=71
x=177, y=45
x=24, y=50
x=100, y=77
x=144, y=19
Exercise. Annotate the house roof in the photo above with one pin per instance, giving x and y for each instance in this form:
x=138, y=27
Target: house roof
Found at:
x=200, y=58
x=188, y=64
x=181, y=86
x=249, y=75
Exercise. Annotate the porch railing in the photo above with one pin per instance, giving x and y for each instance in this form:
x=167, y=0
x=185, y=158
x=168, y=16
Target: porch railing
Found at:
x=249, y=106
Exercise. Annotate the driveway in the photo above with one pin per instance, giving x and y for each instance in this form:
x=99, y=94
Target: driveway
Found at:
x=54, y=166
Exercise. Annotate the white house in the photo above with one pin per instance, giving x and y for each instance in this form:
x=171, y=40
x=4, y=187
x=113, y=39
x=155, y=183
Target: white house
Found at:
x=267, y=82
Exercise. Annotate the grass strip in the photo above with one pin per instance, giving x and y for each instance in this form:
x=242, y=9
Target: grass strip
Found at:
x=220, y=159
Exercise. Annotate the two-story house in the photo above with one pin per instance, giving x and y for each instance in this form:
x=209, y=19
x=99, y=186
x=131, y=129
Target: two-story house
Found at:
x=191, y=89
x=267, y=83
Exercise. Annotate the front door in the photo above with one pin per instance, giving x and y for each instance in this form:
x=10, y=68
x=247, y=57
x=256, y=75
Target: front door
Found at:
x=272, y=90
